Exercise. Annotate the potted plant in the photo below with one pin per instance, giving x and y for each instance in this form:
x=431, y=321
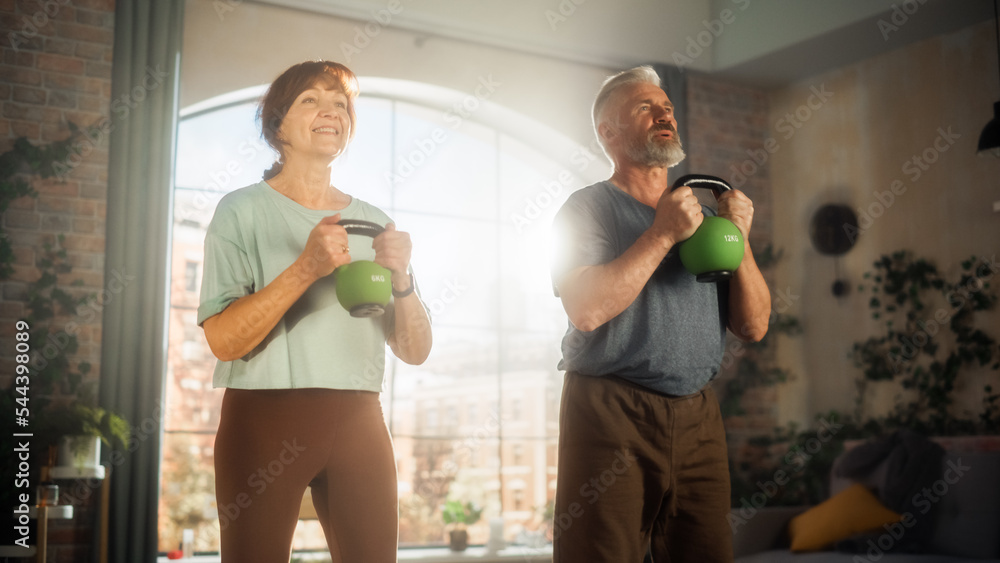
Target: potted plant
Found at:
x=63, y=401
x=78, y=430
x=458, y=516
x=67, y=414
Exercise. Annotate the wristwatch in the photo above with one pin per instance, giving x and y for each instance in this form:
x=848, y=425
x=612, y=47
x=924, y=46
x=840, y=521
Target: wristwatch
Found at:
x=405, y=292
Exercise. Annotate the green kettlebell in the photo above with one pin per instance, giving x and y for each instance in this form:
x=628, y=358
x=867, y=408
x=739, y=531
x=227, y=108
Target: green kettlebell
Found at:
x=363, y=287
x=715, y=250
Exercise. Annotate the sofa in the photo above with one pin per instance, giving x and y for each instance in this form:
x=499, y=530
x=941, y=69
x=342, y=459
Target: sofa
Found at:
x=963, y=517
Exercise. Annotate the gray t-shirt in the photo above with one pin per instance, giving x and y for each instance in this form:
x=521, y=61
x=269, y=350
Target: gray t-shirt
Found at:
x=671, y=338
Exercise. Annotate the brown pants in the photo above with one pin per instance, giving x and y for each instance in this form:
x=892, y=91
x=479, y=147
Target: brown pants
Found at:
x=640, y=470
x=272, y=444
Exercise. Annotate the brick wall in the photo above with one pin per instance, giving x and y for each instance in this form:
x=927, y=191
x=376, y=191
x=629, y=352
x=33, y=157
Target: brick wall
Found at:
x=55, y=63
x=727, y=134
x=728, y=127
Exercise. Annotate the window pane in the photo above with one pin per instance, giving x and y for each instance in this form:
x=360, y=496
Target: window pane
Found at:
x=527, y=298
x=529, y=476
x=455, y=262
x=454, y=393
x=531, y=395
x=445, y=424
x=221, y=150
x=187, y=496
x=363, y=171
x=441, y=470
x=441, y=170
x=532, y=186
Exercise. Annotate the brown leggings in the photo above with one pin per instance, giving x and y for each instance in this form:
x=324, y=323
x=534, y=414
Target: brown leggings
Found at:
x=640, y=469
x=272, y=444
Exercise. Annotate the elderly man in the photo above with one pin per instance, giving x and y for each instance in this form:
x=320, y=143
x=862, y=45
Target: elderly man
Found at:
x=642, y=452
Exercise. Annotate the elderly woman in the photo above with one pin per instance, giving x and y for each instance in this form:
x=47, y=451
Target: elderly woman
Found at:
x=302, y=376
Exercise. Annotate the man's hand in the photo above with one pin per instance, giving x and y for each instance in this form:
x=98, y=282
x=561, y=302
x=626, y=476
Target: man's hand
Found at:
x=678, y=216
x=737, y=207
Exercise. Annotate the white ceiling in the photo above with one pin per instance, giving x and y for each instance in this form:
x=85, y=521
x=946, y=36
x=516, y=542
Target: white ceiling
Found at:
x=762, y=42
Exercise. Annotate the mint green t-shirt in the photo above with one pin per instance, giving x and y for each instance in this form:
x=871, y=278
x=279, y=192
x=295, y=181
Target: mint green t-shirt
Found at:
x=257, y=233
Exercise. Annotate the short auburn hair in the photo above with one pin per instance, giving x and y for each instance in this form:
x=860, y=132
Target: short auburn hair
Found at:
x=286, y=88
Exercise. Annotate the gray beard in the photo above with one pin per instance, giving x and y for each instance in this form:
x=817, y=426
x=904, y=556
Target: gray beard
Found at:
x=656, y=154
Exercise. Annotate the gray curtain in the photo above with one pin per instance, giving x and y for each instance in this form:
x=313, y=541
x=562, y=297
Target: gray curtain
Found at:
x=673, y=80
x=144, y=87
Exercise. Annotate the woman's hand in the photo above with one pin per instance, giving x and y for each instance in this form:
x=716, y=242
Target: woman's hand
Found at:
x=326, y=249
x=392, y=251
x=244, y=324
x=410, y=337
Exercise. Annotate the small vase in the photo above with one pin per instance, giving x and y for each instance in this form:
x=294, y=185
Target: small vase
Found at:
x=458, y=540
x=80, y=452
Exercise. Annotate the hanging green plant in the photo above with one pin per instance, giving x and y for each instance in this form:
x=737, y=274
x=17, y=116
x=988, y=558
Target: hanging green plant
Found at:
x=929, y=338
x=19, y=166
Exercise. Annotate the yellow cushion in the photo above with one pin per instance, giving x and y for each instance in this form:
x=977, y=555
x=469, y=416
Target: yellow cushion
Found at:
x=851, y=511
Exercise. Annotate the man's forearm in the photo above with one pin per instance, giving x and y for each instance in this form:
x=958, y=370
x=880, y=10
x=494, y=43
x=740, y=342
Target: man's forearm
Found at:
x=749, y=300
x=594, y=295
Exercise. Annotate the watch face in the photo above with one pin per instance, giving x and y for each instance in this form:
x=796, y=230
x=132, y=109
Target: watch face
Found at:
x=834, y=229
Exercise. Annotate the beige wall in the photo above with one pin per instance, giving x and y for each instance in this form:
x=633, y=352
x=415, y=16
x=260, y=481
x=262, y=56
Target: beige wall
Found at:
x=882, y=113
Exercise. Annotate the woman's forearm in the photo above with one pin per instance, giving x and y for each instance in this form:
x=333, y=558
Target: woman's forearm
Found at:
x=411, y=338
x=244, y=324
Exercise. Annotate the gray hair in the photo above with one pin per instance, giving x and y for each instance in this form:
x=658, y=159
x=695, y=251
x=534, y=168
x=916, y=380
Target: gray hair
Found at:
x=638, y=75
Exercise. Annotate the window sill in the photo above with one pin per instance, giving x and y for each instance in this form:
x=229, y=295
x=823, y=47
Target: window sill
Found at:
x=432, y=555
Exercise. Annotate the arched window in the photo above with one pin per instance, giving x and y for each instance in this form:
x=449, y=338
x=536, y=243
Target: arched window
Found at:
x=476, y=186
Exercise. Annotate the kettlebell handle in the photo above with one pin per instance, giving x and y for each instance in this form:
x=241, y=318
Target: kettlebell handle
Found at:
x=714, y=183
x=359, y=227
x=363, y=287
